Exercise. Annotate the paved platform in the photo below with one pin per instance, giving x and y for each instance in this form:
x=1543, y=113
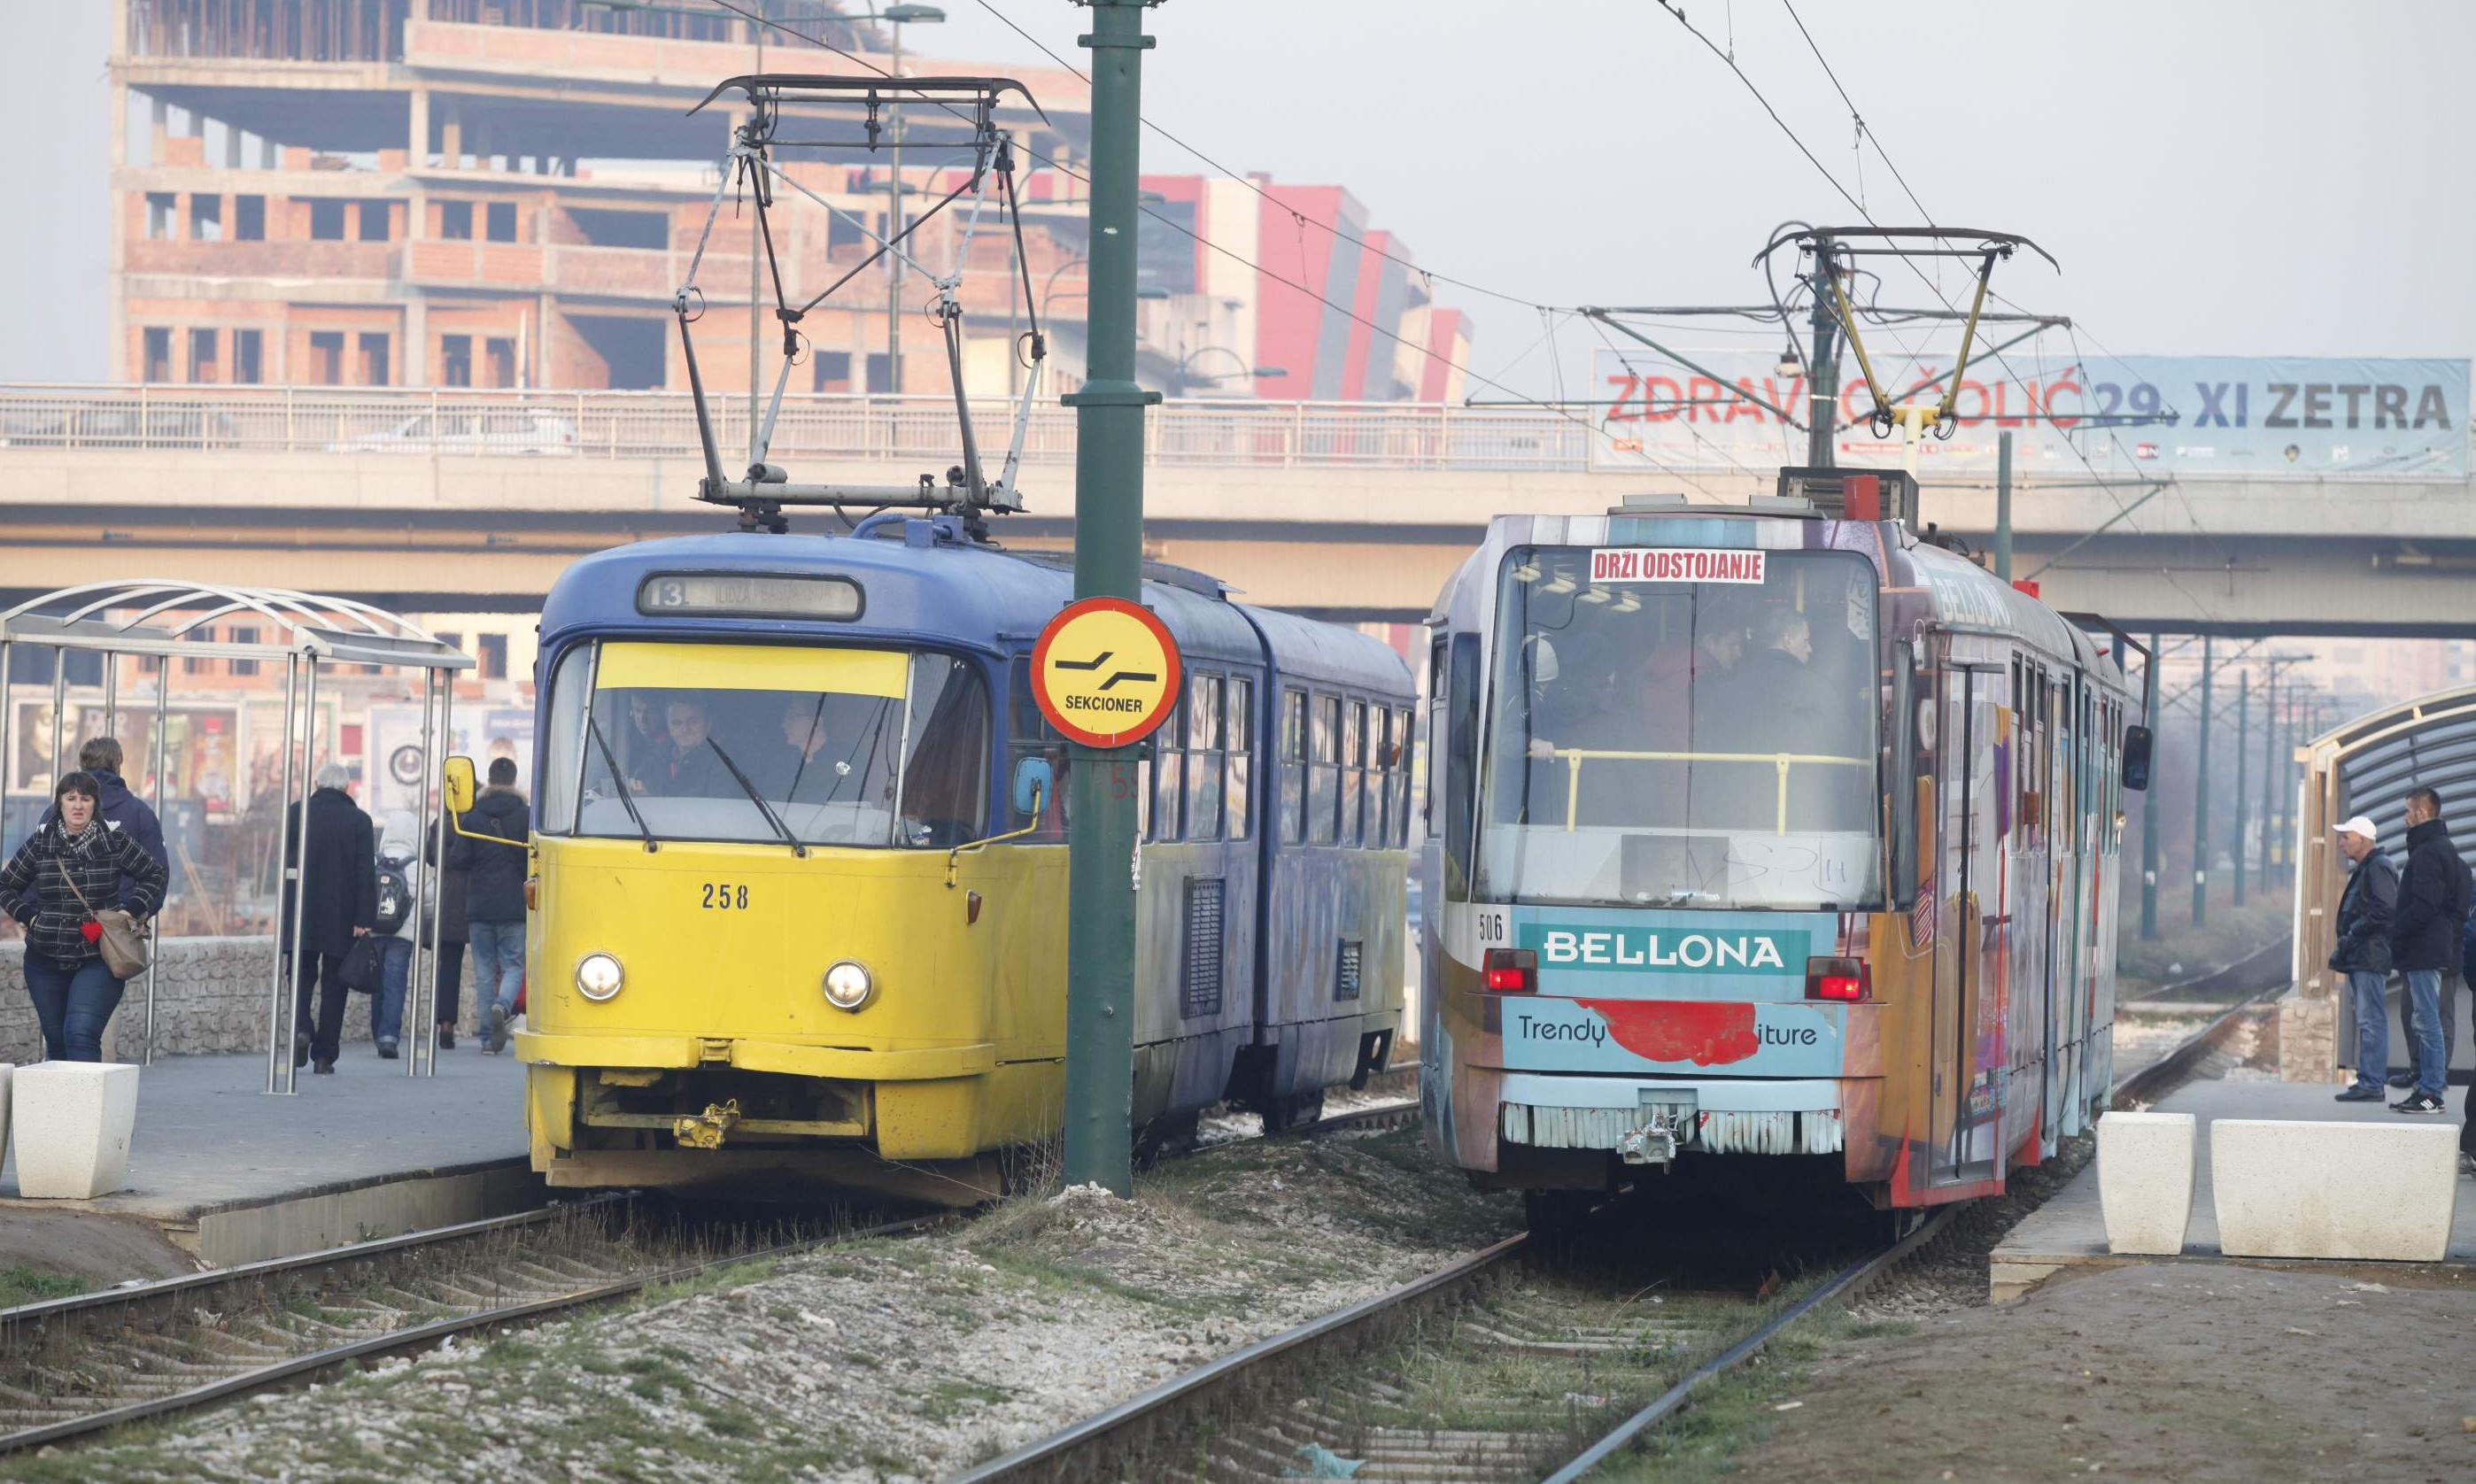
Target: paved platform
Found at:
x=231, y=1175
x=2070, y=1230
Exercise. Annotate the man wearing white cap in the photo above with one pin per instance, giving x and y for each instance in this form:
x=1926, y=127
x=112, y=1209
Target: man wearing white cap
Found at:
x=2363, y=953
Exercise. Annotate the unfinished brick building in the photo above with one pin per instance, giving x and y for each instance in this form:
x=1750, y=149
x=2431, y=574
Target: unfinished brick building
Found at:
x=507, y=193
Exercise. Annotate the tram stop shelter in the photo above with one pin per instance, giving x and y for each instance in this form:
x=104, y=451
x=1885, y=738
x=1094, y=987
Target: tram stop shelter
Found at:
x=2366, y=766
x=305, y=634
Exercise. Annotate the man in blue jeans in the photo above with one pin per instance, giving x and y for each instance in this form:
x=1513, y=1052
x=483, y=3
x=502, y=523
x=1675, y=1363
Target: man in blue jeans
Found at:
x=2363, y=953
x=2432, y=901
x=494, y=897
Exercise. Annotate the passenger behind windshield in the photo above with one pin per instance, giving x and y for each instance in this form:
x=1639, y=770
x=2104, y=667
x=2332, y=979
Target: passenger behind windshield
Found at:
x=1670, y=700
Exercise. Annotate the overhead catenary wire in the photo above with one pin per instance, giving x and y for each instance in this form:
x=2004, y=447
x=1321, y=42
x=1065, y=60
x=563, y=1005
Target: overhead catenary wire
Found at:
x=1348, y=312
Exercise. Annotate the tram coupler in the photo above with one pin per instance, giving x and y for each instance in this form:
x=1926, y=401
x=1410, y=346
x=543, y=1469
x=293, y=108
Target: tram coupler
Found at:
x=1654, y=1143
x=707, y=1129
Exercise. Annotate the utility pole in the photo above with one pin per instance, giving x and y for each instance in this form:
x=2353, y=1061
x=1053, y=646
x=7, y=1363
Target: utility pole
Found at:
x=2149, y=802
x=894, y=233
x=2201, y=802
x=2003, y=507
x=1822, y=372
x=2243, y=755
x=1109, y=562
x=2270, y=771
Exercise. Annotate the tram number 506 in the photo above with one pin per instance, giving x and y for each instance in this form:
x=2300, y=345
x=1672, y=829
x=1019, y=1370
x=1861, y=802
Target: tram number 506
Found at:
x=724, y=897
x=1492, y=926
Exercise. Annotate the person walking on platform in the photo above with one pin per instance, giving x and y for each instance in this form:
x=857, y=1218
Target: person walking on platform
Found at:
x=450, y=916
x=393, y=928
x=337, y=857
x=2363, y=953
x=2433, y=900
x=122, y=811
x=494, y=897
x=50, y=886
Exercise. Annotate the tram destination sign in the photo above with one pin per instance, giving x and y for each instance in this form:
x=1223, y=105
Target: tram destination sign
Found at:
x=1106, y=672
x=1675, y=564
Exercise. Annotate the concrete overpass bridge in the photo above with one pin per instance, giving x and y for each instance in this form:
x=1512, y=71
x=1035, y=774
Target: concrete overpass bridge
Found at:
x=423, y=500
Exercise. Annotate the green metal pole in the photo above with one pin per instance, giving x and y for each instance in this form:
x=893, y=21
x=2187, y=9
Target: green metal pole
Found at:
x=2270, y=771
x=2244, y=761
x=2003, y=507
x=1109, y=562
x=2149, y=802
x=2201, y=803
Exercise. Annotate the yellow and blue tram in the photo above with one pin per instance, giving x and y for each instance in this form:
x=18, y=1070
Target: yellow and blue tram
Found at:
x=799, y=876
x=1763, y=831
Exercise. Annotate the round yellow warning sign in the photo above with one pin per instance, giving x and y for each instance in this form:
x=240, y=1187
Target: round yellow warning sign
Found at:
x=1106, y=672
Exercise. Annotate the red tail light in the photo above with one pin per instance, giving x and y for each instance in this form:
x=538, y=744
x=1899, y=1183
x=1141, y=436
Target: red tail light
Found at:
x=1844, y=979
x=1513, y=971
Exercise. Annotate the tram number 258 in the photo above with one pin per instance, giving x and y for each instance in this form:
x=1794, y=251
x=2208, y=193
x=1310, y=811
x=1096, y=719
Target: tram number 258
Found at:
x=724, y=897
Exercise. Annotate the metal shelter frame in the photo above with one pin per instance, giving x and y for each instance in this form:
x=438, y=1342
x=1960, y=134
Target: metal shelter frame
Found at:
x=2366, y=766
x=156, y=616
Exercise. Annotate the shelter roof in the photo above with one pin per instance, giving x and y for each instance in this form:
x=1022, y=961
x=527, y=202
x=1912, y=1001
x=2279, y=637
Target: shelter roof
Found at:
x=160, y=615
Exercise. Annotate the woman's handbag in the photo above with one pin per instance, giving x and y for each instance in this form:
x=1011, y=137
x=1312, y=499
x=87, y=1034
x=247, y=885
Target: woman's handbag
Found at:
x=122, y=945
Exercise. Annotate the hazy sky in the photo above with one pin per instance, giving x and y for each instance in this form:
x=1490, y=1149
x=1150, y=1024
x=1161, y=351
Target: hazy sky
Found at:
x=2215, y=177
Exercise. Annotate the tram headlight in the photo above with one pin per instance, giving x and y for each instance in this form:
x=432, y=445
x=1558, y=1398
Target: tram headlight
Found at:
x=847, y=984
x=598, y=977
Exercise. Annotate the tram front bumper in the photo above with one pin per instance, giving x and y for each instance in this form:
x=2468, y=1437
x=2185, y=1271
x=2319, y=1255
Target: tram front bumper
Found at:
x=922, y=1103
x=1649, y=1120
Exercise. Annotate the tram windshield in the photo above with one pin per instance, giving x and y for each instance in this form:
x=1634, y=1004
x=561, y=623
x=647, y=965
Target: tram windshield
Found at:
x=1683, y=728
x=759, y=743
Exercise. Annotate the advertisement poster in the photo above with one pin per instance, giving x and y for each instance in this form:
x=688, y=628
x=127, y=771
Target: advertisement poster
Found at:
x=2128, y=416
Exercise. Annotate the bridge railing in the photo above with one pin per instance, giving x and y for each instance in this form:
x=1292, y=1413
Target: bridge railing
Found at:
x=422, y=421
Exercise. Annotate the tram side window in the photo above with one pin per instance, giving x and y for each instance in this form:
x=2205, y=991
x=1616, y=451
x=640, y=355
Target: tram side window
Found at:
x=1435, y=725
x=1380, y=777
x=1030, y=735
x=1354, y=774
x=1324, y=771
x=1294, y=766
x=1169, y=774
x=1240, y=738
x=1203, y=757
x=568, y=694
x=1404, y=755
x=945, y=767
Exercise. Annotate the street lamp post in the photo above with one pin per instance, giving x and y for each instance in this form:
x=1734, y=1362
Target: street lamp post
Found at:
x=1182, y=375
x=895, y=17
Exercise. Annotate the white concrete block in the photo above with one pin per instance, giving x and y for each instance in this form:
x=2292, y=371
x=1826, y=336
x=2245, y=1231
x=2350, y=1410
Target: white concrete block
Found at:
x=2292, y=1188
x=2146, y=1173
x=73, y=1121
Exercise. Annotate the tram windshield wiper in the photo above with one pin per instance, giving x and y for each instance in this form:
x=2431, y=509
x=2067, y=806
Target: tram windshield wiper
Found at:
x=753, y=797
x=619, y=781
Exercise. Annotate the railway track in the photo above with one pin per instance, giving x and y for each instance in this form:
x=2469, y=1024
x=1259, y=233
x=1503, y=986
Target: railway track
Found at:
x=1492, y=1370
x=72, y=1367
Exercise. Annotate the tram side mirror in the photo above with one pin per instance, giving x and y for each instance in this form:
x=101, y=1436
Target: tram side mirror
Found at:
x=1035, y=783
x=2136, y=758
x=461, y=788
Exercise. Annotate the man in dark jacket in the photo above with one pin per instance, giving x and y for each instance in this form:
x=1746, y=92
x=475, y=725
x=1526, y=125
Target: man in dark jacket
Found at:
x=449, y=912
x=494, y=897
x=122, y=811
x=339, y=897
x=2432, y=901
x=2363, y=953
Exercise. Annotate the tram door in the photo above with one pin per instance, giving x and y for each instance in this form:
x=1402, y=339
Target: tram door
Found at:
x=1968, y=1100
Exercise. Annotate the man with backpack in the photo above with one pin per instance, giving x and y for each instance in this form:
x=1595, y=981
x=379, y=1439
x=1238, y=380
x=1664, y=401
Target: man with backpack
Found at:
x=393, y=929
x=2425, y=931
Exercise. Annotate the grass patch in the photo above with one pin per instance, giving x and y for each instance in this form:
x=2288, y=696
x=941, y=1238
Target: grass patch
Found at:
x=21, y=1284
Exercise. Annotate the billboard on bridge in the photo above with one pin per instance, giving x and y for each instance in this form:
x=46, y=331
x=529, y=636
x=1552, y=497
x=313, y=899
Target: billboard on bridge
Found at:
x=2128, y=416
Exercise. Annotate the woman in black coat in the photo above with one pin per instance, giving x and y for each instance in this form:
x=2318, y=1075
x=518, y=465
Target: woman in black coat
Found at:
x=71, y=868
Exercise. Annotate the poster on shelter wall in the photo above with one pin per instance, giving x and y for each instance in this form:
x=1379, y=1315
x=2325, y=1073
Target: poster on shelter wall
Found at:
x=2120, y=416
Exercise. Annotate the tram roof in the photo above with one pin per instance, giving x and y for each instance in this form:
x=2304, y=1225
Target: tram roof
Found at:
x=160, y=616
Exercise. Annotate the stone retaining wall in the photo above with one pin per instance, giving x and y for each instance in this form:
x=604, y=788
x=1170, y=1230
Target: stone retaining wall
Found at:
x=210, y=995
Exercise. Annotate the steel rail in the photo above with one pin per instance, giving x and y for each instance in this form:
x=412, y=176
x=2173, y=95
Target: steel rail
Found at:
x=419, y=1335
x=2152, y=1081
x=1848, y=1281
x=1191, y=1386
x=329, y=1256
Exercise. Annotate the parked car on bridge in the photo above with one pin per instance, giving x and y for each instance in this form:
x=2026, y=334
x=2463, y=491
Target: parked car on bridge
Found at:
x=514, y=430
